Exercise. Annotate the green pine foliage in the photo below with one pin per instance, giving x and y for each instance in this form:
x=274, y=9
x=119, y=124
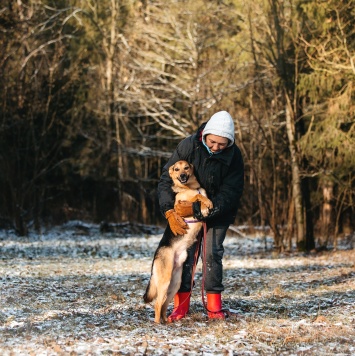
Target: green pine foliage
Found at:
x=95, y=95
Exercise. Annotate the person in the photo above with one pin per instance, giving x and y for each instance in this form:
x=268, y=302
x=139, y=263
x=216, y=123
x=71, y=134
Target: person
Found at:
x=219, y=168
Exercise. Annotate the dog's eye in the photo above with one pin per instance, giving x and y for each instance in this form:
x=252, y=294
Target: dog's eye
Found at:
x=176, y=169
x=186, y=168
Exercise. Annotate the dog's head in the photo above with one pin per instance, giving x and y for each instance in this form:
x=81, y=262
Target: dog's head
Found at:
x=181, y=172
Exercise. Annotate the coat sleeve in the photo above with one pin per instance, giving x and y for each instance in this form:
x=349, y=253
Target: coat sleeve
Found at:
x=166, y=196
x=231, y=189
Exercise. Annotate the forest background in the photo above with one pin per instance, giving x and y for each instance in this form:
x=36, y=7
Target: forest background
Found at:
x=95, y=95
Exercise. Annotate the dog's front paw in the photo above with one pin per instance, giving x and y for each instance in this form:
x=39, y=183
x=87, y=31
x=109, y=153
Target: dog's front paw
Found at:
x=204, y=210
x=209, y=204
x=205, y=202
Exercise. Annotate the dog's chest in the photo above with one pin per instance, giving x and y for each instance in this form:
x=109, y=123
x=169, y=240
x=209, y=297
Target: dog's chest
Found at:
x=188, y=194
x=185, y=241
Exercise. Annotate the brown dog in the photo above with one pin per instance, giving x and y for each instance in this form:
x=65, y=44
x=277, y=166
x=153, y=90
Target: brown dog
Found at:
x=171, y=253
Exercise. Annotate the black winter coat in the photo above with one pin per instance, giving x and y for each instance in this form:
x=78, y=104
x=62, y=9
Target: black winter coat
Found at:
x=221, y=175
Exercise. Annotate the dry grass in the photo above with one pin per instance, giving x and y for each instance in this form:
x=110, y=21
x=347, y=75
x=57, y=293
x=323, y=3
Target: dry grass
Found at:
x=81, y=294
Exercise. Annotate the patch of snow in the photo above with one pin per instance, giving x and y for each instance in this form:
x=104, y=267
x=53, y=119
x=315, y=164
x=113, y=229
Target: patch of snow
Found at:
x=75, y=290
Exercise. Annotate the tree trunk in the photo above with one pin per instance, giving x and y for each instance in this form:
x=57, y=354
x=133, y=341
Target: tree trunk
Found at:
x=306, y=194
x=296, y=179
x=327, y=211
x=291, y=215
x=260, y=197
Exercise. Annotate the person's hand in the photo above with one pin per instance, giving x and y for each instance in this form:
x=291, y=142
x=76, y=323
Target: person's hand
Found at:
x=200, y=216
x=177, y=225
x=196, y=207
x=184, y=208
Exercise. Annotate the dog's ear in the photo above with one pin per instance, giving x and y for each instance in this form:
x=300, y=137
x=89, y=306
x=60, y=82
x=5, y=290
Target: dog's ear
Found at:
x=191, y=167
x=171, y=170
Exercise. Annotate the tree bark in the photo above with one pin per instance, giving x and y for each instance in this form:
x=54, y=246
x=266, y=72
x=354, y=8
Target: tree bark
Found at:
x=296, y=179
x=327, y=212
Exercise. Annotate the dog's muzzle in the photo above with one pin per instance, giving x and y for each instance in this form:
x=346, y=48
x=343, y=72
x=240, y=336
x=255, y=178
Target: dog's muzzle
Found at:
x=183, y=178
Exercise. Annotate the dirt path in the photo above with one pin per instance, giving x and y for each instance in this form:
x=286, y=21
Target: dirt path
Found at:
x=78, y=292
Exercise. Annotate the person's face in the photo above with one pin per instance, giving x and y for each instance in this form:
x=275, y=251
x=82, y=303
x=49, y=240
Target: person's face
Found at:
x=216, y=143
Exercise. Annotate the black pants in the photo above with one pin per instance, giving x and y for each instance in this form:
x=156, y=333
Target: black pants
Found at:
x=214, y=267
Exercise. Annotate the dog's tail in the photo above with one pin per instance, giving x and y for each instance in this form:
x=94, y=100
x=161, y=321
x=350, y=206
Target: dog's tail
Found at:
x=150, y=293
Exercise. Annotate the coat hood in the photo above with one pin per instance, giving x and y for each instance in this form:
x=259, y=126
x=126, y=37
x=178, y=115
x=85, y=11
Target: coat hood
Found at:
x=220, y=124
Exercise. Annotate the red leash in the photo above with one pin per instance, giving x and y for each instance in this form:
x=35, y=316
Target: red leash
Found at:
x=204, y=264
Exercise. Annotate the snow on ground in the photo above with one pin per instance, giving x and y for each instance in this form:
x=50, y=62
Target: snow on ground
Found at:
x=75, y=291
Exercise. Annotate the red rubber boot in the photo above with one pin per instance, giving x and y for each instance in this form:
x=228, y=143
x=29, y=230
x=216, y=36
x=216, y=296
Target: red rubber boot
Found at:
x=214, y=306
x=181, y=306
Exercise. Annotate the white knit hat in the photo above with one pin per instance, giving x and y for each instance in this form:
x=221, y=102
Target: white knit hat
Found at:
x=220, y=124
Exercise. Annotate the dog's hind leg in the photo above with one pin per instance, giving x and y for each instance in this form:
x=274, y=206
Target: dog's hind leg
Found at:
x=172, y=290
x=164, y=267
